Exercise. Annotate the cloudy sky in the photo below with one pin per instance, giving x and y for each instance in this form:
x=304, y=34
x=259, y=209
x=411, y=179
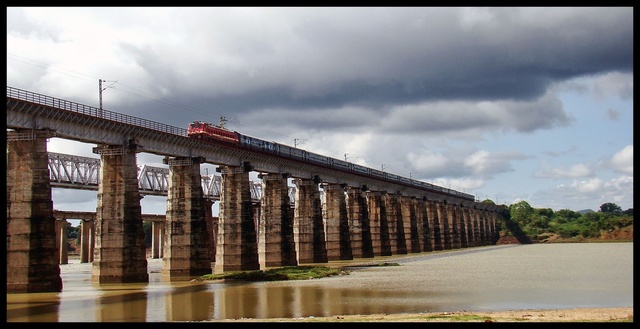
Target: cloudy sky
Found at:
x=507, y=104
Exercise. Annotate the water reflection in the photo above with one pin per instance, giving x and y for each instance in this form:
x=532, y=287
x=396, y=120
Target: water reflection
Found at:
x=489, y=278
x=162, y=301
x=43, y=306
x=265, y=301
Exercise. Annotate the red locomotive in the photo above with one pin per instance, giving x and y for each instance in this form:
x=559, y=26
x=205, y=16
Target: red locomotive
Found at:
x=200, y=129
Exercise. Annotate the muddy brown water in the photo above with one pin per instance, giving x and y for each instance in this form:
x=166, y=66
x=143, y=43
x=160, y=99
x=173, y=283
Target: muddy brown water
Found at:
x=490, y=278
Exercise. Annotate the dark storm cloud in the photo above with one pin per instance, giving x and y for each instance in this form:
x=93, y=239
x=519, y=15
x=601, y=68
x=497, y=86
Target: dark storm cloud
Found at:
x=237, y=62
x=379, y=58
x=387, y=54
x=308, y=58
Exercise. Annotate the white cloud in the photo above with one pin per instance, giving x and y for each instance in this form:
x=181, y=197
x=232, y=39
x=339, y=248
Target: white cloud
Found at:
x=588, y=186
x=575, y=171
x=622, y=161
x=613, y=84
x=464, y=185
x=479, y=161
x=428, y=161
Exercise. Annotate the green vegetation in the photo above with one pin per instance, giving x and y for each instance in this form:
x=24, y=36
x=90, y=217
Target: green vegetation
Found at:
x=275, y=274
x=522, y=219
x=284, y=273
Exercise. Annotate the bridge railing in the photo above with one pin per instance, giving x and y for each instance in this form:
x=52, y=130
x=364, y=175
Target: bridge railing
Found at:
x=92, y=111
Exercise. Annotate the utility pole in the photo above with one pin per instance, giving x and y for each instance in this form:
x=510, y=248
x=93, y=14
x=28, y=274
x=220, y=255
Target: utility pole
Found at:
x=100, y=93
x=297, y=141
x=347, y=155
x=100, y=90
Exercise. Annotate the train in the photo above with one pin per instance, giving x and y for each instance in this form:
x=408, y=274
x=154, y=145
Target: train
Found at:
x=206, y=131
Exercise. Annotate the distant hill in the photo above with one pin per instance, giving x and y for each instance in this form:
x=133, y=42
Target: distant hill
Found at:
x=585, y=211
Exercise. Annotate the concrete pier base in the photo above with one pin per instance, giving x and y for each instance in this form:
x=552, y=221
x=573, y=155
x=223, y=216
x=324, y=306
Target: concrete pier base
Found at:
x=276, y=245
x=120, y=252
x=186, y=250
x=32, y=255
x=236, y=247
x=336, y=222
x=308, y=227
x=358, y=214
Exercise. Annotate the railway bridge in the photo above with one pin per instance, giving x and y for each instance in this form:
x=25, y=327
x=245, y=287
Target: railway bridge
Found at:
x=357, y=215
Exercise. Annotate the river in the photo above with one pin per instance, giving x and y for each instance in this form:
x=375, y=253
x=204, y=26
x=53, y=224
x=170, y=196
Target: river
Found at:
x=489, y=278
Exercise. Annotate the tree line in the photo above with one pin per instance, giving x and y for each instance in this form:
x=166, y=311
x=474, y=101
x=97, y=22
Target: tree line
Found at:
x=523, y=221
x=535, y=222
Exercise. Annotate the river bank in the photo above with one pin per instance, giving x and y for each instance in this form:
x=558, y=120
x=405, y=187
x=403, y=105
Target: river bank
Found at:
x=618, y=314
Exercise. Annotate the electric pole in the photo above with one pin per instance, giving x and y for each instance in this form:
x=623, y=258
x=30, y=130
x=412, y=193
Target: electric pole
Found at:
x=297, y=141
x=100, y=90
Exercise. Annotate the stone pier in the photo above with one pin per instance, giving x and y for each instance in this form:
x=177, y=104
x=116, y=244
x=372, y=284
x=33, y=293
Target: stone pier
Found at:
x=424, y=225
x=212, y=228
x=373, y=205
x=336, y=222
x=32, y=256
x=237, y=247
x=453, y=225
x=473, y=226
x=434, y=214
x=86, y=234
x=458, y=232
x=464, y=226
x=401, y=229
x=87, y=240
x=391, y=212
x=61, y=240
x=308, y=227
x=444, y=225
x=358, y=214
x=186, y=248
x=120, y=251
x=483, y=227
x=417, y=235
x=157, y=239
x=410, y=221
x=386, y=249
x=494, y=228
x=276, y=245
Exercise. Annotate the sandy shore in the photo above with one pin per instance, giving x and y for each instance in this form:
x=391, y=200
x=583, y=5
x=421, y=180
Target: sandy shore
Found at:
x=622, y=314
